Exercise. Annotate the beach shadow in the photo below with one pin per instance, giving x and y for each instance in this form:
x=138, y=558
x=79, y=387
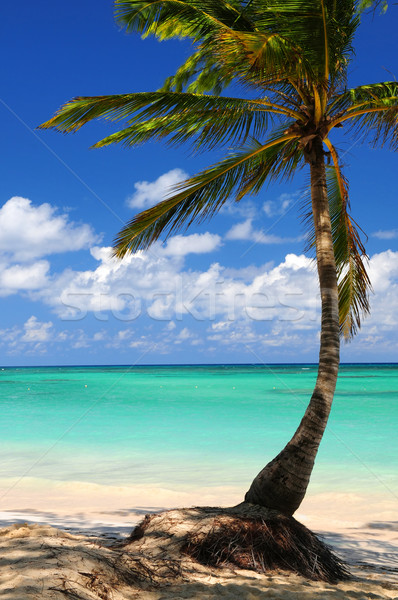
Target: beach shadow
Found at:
x=36, y=566
x=391, y=525
x=32, y=569
x=220, y=591
x=81, y=523
x=139, y=512
x=278, y=590
x=364, y=549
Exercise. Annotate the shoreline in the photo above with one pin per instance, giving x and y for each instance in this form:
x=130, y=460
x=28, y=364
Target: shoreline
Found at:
x=76, y=522
x=372, y=546
x=363, y=529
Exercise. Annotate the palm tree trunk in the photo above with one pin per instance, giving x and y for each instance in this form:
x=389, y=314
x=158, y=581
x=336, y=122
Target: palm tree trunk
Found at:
x=283, y=482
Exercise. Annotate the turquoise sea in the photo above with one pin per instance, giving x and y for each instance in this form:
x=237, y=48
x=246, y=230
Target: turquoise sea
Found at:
x=193, y=425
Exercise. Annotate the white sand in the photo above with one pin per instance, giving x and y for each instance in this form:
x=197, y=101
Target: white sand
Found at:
x=37, y=561
x=362, y=529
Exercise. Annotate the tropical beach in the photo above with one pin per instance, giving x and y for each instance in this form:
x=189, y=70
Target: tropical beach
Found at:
x=199, y=355
x=75, y=476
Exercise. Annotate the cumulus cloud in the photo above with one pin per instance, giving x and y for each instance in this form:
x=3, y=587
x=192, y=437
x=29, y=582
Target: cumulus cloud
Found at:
x=157, y=285
x=28, y=232
x=155, y=278
x=261, y=307
x=197, y=243
x=383, y=270
x=16, y=278
x=32, y=338
x=184, y=335
x=36, y=331
x=276, y=310
x=240, y=231
x=245, y=209
x=275, y=208
x=387, y=234
x=276, y=307
x=246, y=231
x=149, y=193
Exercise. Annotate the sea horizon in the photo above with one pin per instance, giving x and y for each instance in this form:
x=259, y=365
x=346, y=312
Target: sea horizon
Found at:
x=221, y=364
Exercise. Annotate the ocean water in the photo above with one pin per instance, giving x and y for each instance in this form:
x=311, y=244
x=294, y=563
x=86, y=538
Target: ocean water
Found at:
x=197, y=426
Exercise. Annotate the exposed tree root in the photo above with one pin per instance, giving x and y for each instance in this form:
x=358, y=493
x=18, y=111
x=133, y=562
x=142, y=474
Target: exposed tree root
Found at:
x=246, y=536
x=263, y=545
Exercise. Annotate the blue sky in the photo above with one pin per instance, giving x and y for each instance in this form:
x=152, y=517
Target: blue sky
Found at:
x=236, y=289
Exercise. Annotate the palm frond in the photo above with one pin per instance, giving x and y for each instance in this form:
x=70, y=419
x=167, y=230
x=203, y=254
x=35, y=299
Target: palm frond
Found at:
x=204, y=132
x=354, y=284
x=75, y=113
x=260, y=58
x=371, y=111
x=197, y=198
x=197, y=20
x=307, y=39
x=372, y=5
x=322, y=29
x=179, y=18
x=350, y=255
x=280, y=161
x=205, y=120
x=199, y=74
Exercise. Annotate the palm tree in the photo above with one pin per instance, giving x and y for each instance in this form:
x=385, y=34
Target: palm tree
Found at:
x=291, y=57
x=367, y=5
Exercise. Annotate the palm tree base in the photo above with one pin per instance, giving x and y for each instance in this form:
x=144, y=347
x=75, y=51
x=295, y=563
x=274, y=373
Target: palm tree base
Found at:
x=246, y=536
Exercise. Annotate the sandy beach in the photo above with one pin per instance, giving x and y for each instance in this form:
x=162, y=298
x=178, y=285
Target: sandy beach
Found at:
x=53, y=538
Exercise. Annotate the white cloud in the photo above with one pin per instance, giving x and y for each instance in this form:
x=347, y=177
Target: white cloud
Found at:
x=149, y=278
x=36, y=331
x=277, y=308
x=383, y=270
x=260, y=307
x=245, y=231
x=156, y=285
x=124, y=334
x=240, y=231
x=245, y=209
x=31, y=339
x=274, y=208
x=149, y=193
x=197, y=243
x=387, y=234
x=16, y=278
x=99, y=336
x=184, y=335
x=28, y=232
x=80, y=340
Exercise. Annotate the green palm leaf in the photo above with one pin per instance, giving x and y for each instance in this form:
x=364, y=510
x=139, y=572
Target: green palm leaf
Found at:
x=200, y=73
x=260, y=58
x=179, y=117
x=313, y=35
x=354, y=284
x=370, y=111
x=353, y=280
x=201, y=196
x=179, y=18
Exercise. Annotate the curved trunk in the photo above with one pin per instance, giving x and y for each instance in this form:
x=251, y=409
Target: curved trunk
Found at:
x=283, y=482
